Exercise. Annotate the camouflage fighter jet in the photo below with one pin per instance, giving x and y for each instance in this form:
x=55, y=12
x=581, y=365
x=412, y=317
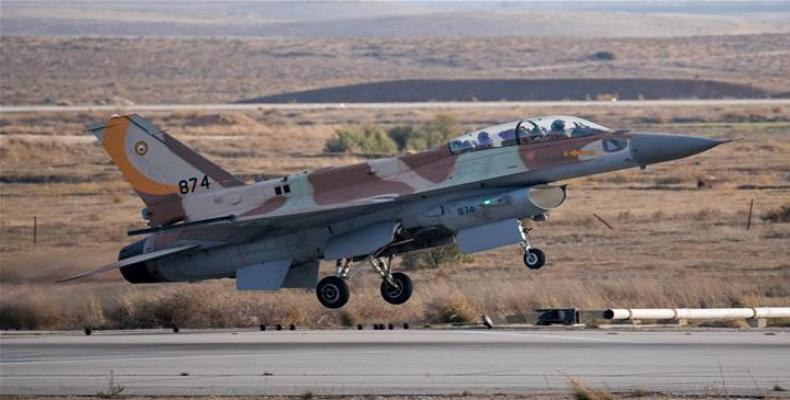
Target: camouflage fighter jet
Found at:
x=204, y=223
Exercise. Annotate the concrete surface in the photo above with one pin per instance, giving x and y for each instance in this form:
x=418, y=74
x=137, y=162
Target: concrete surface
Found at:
x=393, y=362
x=428, y=105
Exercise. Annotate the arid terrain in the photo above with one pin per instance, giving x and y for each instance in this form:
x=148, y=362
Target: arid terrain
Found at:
x=151, y=70
x=394, y=19
x=673, y=244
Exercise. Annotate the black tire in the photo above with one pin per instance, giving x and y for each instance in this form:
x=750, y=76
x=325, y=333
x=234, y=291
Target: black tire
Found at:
x=333, y=292
x=399, y=294
x=534, y=258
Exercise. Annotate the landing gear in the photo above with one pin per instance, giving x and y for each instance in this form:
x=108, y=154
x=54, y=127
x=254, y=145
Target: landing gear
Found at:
x=534, y=258
x=333, y=292
x=396, y=287
x=398, y=293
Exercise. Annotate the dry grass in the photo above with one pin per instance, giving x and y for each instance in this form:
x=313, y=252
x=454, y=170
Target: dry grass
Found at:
x=580, y=391
x=38, y=70
x=672, y=246
x=779, y=215
x=461, y=396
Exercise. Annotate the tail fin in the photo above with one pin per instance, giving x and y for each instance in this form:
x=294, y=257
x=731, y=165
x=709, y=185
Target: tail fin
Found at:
x=161, y=169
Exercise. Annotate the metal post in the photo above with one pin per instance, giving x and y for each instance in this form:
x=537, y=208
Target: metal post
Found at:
x=749, y=219
x=603, y=221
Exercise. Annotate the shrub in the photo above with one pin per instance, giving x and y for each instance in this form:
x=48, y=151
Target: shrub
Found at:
x=780, y=215
x=603, y=56
x=454, y=309
x=374, y=140
x=434, y=133
x=401, y=135
x=435, y=257
x=580, y=391
x=368, y=140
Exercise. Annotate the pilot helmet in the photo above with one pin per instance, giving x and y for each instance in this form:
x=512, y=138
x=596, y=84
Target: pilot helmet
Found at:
x=558, y=125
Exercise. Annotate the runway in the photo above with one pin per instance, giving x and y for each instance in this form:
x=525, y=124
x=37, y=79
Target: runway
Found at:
x=393, y=362
x=406, y=105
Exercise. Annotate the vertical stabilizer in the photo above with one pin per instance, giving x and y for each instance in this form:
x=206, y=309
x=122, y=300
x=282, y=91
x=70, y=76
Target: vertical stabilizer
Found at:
x=161, y=169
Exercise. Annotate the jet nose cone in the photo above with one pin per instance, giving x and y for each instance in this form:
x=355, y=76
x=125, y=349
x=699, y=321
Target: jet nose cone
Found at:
x=649, y=148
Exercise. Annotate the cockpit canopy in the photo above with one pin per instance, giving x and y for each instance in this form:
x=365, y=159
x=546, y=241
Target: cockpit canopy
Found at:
x=526, y=131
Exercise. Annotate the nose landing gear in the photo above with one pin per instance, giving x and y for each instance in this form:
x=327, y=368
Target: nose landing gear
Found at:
x=534, y=258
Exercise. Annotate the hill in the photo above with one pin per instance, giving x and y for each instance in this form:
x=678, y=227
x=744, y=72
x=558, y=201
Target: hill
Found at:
x=87, y=70
x=392, y=19
x=420, y=90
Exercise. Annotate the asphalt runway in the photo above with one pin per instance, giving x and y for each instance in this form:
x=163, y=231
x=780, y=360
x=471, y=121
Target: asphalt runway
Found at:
x=405, y=105
x=393, y=362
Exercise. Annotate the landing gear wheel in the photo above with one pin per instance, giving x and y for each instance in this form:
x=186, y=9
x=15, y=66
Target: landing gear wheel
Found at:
x=332, y=292
x=397, y=294
x=534, y=258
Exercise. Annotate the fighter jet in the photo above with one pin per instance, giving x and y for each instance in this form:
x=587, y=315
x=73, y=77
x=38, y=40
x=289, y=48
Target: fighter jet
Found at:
x=474, y=192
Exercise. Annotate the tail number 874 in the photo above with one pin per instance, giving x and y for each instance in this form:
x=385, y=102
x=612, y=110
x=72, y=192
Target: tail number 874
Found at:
x=190, y=184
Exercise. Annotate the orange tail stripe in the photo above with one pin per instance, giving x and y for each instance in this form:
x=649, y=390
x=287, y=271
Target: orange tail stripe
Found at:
x=114, y=143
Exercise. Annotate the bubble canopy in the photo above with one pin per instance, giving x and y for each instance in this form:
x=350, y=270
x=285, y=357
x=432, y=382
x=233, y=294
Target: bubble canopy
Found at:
x=532, y=130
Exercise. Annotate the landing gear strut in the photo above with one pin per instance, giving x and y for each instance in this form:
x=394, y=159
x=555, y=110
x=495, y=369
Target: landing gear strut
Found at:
x=398, y=293
x=534, y=258
x=396, y=288
x=333, y=291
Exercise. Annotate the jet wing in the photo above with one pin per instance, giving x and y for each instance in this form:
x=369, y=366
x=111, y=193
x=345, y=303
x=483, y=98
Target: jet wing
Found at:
x=132, y=260
x=231, y=228
x=235, y=229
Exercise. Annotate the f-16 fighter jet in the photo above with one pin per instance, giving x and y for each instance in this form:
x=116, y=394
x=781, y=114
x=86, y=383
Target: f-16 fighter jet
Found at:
x=473, y=192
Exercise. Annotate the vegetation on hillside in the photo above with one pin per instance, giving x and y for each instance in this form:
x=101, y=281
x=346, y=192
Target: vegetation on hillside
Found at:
x=375, y=140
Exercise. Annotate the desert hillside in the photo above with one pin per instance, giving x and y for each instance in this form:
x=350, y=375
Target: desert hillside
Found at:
x=385, y=19
x=89, y=70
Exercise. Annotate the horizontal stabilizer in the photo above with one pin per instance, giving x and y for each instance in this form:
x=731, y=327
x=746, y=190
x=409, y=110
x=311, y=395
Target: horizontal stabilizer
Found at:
x=181, y=226
x=132, y=260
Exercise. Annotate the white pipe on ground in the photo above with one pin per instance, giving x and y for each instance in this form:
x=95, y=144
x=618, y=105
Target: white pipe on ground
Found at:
x=772, y=312
x=714, y=313
x=697, y=313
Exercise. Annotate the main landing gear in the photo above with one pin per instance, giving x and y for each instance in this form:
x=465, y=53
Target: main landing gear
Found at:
x=333, y=291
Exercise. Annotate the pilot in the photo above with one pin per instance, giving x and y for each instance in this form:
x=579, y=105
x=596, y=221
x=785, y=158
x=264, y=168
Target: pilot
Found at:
x=484, y=140
x=557, y=128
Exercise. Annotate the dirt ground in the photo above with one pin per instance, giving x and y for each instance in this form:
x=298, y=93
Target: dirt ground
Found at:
x=150, y=70
x=672, y=244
